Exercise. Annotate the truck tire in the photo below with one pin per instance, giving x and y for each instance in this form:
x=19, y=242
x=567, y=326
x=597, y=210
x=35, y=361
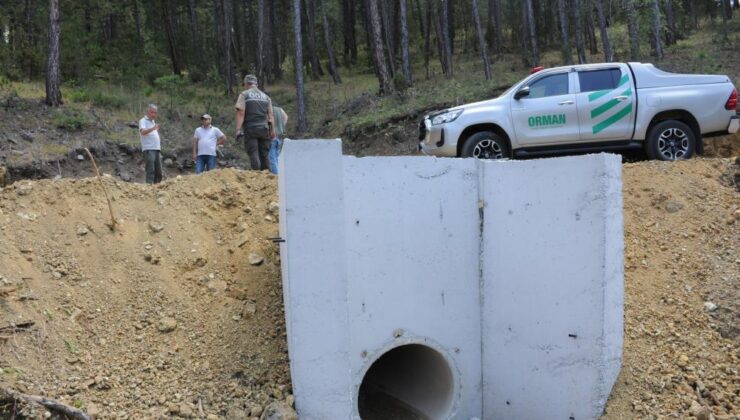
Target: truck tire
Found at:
x=485, y=145
x=671, y=140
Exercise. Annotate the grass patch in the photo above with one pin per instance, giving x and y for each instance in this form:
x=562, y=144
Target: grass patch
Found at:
x=71, y=346
x=70, y=119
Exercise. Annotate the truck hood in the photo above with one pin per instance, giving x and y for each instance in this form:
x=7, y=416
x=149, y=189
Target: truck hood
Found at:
x=472, y=106
x=648, y=76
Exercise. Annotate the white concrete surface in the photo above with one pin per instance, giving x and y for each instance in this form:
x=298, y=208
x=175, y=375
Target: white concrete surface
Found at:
x=510, y=271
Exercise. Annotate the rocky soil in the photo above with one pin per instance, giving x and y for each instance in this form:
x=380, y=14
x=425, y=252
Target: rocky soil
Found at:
x=178, y=311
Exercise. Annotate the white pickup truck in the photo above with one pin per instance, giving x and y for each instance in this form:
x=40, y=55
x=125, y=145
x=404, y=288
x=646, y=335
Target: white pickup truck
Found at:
x=585, y=108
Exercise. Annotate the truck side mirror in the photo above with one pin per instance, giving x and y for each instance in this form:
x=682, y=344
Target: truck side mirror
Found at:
x=522, y=93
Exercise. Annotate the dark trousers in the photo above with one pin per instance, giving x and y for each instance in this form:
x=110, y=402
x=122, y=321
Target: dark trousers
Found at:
x=153, y=166
x=257, y=143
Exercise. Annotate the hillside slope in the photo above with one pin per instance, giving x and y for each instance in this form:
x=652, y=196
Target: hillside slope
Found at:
x=167, y=316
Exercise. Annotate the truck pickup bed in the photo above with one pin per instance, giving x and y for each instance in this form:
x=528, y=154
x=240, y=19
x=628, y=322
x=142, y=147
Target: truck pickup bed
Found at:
x=593, y=107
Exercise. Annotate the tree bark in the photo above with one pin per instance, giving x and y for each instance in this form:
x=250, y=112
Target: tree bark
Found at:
x=388, y=36
x=195, y=36
x=427, y=39
x=608, y=54
x=532, y=32
x=563, y=17
x=633, y=31
x=481, y=41
x=348, y=31
x=580, y=43
x=377, y=48
x=657, y=47
x=53, y=92
x=405, y=56
x=137, y=18
x=260, y=62
x=316, y=70
x=590, y=32
x=444, y=20
x=670, y=34
x=170, y=33
x=298, y=58
x=327, y=41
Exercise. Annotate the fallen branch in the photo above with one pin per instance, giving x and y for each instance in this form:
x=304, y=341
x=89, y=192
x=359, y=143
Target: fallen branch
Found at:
x=112, y=225
x=50, y=404
x=23, y=326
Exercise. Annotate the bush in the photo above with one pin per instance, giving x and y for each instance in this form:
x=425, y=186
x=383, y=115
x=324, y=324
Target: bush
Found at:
x=107, y=100
x=70, y=119
x=79, y=95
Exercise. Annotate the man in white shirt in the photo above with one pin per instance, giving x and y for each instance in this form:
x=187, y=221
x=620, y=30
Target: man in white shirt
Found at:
x=205, y=140
x=149, y=134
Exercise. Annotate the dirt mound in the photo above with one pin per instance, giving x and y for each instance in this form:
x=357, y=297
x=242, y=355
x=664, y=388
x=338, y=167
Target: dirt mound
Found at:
x=176, y=312
x=167, y=316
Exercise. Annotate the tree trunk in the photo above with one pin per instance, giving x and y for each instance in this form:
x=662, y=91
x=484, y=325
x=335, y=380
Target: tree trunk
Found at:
x=580, y=43
x=260, y=62
x=327, y=41
x=671, y=34
x=137, y=18
x=532, y=32
x=563, y=17
x=376, y=39
x=481, y=41
x=348, y=31
x=590, y=32
x=693, y=14
x=633, y=31
x=195, y=35
x=170, y=33
x=227, y=28
x=388, y=36
x=53, y=92
x=405, y=59
x=444, y=21
x=301, y=126
x=316, y=70
x=657, y=47
x=608, y=54
x=427, y=39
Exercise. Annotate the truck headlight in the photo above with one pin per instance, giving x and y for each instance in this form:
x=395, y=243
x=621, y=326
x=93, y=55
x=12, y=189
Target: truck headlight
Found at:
x=446, y=117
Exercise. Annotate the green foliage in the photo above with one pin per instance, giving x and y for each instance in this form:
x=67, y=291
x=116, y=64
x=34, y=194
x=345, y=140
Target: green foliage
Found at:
x=79, y=404
x=70, y=119
x=79, y=96
x=399, y=82
x=71, y=346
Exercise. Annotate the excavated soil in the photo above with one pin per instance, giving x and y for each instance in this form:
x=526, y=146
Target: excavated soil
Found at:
x=178, y=311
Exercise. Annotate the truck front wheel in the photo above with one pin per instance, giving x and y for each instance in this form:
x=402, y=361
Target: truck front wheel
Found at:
x=485, y=145
x=671, y=140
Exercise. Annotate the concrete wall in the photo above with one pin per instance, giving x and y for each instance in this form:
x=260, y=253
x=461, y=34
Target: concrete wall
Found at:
x=512, y=271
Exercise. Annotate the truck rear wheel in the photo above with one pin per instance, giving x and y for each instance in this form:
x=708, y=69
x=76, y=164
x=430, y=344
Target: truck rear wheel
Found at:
x=671, y=140
x=485, y=145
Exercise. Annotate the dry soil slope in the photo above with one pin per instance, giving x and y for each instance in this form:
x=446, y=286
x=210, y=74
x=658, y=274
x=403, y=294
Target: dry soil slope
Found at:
x=101, y=299
x=98, y=297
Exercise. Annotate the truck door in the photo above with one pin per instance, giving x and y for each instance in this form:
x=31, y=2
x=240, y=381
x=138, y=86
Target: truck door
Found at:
x=606, y=104
x=548, y=115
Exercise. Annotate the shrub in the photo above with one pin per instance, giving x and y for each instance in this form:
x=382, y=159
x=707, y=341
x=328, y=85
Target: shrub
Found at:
x=70, y=119
x=79, y=95
x=107, y=100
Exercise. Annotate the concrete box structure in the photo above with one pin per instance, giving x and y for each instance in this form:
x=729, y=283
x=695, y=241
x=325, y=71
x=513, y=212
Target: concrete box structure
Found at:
x=418, y=287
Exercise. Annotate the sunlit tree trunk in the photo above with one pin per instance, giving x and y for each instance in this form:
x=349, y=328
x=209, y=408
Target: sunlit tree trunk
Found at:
x=53, y=92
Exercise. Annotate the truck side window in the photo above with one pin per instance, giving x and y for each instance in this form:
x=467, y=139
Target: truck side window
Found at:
x=552, y=85
x=594, y=80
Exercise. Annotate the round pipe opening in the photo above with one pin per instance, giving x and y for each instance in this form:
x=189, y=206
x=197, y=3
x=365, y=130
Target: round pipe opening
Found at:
x=409, y=382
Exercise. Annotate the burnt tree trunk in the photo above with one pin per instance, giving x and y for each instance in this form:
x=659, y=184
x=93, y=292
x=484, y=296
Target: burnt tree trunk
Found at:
x=671, y=33
x=348, y=32
x=481, y=41
x=376, y=38
x=170, y=33
x=301, y=126
x=657, y=47
x=53, y=92
x=327, y=42
x=563, y=18
x=444, y=21
x=632, y=30
x=580, y=43
x=532, y=33
x=608, y=53
x=405, y=58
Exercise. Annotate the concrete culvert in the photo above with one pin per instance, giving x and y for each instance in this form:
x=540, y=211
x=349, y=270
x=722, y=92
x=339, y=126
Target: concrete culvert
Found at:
x=410, y=382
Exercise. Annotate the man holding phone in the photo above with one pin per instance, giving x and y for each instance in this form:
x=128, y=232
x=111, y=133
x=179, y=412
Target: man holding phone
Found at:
x=150, y=145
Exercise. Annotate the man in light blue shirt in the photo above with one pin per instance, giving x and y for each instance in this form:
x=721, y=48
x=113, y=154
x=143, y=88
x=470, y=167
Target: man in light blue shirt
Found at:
x=149, y=134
